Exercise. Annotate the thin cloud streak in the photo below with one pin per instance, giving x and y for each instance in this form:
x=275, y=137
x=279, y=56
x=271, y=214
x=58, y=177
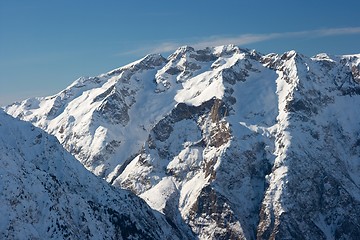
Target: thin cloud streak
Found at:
x=339, y=31
x=243, y=39
x=254, y=38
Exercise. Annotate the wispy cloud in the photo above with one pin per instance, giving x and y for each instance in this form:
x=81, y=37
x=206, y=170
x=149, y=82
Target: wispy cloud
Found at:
x=243, y=39
x=337, y=31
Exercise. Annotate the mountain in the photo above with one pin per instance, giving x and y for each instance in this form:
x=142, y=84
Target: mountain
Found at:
x=229, y=142
x=47, y=194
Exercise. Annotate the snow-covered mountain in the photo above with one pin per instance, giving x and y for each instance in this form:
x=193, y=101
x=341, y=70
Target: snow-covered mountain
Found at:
x=227, y=141
x=47, y=194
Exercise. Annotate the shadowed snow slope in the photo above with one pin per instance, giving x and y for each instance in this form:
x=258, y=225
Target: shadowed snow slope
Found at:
x=47, y=194
x=226, y=142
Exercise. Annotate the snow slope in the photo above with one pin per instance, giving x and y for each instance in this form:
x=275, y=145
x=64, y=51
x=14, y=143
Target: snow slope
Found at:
x=47, y=194
x=226, y=142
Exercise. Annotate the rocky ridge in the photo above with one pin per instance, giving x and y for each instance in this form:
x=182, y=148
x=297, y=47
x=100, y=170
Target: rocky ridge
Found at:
x=228, y=143
x=47, y=194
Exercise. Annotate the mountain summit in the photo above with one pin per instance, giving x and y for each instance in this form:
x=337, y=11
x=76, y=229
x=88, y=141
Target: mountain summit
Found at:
x=228, y=143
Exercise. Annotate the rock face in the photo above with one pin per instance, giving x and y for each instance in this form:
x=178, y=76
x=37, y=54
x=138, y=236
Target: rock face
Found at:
x=47, y=194
x=226, y=142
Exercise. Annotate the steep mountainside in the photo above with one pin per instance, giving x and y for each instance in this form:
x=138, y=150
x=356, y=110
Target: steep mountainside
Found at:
x=47, y=194
x=230, y=142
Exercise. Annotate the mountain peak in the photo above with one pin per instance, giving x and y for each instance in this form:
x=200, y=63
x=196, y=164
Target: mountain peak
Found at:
x=226, y=142
x=150, y=60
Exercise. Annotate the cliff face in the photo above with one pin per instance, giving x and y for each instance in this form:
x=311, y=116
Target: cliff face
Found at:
x=226, y=142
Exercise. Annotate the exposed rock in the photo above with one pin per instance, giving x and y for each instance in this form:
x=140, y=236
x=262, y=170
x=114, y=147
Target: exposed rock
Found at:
x=227, y=142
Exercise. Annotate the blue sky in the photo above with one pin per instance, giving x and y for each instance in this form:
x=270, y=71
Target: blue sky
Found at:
x=47, y=44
